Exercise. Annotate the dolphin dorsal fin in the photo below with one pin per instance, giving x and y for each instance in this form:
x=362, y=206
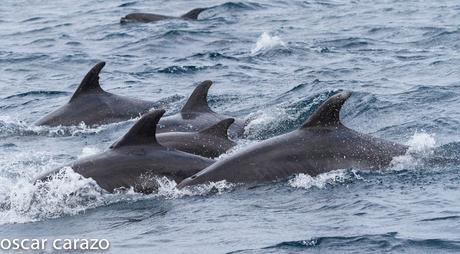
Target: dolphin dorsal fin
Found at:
x=143, y=132
x=328, y=114
x=198, y=101
x=90, y=82
x=193, y=14
x=219, y=129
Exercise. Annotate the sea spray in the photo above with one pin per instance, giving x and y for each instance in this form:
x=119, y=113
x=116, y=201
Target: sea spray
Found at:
x=420, y=146
x=266, y=42
x=320, y=181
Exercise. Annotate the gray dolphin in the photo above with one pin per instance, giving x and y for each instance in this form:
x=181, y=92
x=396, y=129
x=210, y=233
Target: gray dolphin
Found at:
x=135, y=159
x=94, y=106
x=197, y=115
x=320, y=145
x=150, y=17
x=210, y=142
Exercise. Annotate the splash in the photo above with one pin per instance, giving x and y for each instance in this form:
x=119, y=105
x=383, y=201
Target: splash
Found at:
x=167, y=188
x=320, y=181
x=421, y=145
x=67, y=194
x=12, y=127
x=267, y=42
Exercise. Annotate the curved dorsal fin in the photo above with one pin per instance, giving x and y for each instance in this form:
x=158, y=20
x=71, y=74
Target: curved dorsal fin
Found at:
x=198, y=101
x=193, y=14
x=219, y=129
x=143, y=132
x=328, y=114
x=90, y=82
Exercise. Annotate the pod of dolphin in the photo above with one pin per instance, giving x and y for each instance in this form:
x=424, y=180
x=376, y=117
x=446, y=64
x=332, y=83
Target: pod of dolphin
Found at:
x=183, y=147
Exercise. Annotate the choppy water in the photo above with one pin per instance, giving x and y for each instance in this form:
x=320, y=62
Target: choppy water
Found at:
x=272, y=62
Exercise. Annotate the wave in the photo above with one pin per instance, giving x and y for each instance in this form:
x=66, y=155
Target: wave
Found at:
x=439, y=38
x=32, y=19
x=377, y=243
x=37, y=93
x=349, y=43
x=182, y=34
x=282, y=117
x=240, y=6
x=115, y=35
x=210, y=55
x=224, y=12
x=11, y=127
x=17, y=58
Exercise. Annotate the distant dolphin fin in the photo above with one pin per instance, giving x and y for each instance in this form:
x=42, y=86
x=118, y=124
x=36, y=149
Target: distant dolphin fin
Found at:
x=328, y=114
x=90, y=82
x=143, y=132
x=193, y=14
x=219, y=129
x=198, y=101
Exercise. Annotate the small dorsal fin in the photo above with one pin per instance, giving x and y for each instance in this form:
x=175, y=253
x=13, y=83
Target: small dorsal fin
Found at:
x=90, y=82
x=219, y=129
x=198, y=101
x=143, y=132
x=328, y=114
x=193, y=14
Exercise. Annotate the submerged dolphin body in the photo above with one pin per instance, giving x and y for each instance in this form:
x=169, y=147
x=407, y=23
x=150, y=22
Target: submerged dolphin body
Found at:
x=150, y=17
x=94, y=106
x=135, y=159
x=320, y=145
x=210, y=142
x=197, y=115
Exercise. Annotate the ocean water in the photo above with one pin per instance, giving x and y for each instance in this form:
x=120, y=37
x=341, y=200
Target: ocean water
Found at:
x=272, y=62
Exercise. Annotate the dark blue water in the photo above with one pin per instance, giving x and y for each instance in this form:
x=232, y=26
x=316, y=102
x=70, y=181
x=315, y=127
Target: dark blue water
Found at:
x=272, y=62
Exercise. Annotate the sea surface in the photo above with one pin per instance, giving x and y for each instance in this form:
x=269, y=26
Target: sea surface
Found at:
x=272, y=62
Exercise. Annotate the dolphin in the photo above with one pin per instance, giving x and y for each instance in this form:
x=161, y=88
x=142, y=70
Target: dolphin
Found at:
x=135, y=159
x=197, y=115
x=210, y=142
x=150, y=17
x=320, y=145
x=94, y=106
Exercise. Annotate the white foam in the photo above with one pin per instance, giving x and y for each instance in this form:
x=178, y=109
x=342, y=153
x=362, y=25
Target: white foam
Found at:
x=421, y=145
x=167, y=188
x=320, y=181
x=266, y=42
x=11, y=127
x=67, y=194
